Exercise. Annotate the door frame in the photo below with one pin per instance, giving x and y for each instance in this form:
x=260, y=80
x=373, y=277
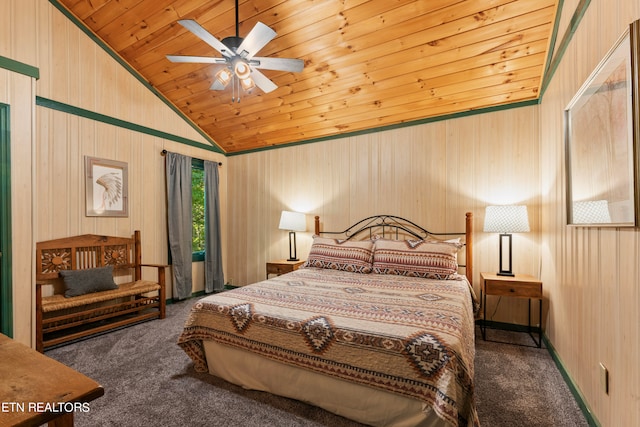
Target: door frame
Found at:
x=6, y=291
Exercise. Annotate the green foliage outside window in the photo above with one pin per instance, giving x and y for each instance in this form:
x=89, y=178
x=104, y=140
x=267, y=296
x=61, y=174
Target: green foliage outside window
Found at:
x=197, y=194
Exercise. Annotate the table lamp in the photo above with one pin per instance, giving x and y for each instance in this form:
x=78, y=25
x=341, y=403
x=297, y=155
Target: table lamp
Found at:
x=293, y=221
x=506, y=220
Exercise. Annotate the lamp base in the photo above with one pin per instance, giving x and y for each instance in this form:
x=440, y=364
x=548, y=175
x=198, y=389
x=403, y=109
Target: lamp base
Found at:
x=505, y=273
x=293, y=254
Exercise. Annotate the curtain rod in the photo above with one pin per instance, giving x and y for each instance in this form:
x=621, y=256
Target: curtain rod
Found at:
x=164, y=153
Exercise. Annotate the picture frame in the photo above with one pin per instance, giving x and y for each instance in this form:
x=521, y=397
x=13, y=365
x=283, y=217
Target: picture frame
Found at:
x=106, y=187
x=601, y=132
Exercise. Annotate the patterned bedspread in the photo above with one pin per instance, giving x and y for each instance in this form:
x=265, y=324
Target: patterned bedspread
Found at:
x=410, y=336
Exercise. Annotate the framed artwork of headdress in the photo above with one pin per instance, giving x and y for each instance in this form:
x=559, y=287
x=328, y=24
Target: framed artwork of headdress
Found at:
x=106, y=187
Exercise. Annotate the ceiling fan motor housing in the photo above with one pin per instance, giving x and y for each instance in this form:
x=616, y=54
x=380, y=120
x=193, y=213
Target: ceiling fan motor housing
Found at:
x=232, y=42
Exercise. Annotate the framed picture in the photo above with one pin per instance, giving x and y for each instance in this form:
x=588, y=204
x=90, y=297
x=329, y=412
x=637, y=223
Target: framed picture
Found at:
x=602, y=125
x=106, y=187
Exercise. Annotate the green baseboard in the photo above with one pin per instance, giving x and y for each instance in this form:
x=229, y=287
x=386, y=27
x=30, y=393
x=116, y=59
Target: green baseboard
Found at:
x=582, y=403
x=575, y=391
x=201, y=294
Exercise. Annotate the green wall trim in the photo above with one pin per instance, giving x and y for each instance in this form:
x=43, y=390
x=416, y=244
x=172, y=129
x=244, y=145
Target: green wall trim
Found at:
x=395, y=126
x=132, y=71
x=580, y=400
x=582, y=403
x=6, y=292
x=552, y=42
x=70, y=109
x=19, y=67
x=581, y=9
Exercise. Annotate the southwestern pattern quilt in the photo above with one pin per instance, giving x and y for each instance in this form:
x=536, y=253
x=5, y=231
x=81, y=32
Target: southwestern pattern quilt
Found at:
x=407, y=335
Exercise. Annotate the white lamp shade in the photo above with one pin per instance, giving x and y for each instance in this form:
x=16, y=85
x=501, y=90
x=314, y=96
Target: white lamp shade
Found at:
x=293, y=221
x=506, y=219
x=591, y=212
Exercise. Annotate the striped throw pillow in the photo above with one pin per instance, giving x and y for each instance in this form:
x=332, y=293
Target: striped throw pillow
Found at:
x=336, y=254
x=416, y=258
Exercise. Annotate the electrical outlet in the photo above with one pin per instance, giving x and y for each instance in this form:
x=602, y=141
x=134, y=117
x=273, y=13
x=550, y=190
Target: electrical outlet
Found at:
x=604, y=378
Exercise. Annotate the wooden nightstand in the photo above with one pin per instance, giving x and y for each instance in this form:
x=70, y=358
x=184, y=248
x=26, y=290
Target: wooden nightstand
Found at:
x=518, y=286
x=282, y=266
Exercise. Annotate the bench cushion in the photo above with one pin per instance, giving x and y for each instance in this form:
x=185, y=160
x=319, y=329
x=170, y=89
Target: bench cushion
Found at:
x=60, y=302
x=80, y=282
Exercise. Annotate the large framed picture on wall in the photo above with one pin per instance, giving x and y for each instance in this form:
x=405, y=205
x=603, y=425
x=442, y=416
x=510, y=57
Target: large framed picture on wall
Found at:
x=602, y=125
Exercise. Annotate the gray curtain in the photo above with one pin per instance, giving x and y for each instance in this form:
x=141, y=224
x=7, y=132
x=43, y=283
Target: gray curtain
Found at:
x=180, y=219
x=213, y=276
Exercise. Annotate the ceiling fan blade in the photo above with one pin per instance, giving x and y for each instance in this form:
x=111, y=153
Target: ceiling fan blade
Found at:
x=206, y=37
x=257, y=38
x=262, y=81
x=216, y=85
x=281, y=64
x=196, y=59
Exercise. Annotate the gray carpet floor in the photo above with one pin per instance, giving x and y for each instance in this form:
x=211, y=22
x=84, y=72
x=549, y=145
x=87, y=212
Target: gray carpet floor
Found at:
x=150, y=381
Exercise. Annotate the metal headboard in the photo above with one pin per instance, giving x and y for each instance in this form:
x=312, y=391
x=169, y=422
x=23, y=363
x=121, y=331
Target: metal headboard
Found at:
x=386, y=226
x=395, y=227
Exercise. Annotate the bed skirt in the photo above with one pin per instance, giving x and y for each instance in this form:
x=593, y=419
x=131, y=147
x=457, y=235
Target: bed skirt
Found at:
x=357, y=402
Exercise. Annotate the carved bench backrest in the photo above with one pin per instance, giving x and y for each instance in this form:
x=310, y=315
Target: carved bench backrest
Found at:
x=87, y=251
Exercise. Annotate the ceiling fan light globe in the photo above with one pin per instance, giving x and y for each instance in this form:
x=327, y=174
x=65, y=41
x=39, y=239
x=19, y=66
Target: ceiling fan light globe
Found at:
x=242, y=70
x=224, y=76
x=247, y=84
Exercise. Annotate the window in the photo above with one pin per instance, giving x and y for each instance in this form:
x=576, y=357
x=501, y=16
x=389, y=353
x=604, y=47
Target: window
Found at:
x=197, y=208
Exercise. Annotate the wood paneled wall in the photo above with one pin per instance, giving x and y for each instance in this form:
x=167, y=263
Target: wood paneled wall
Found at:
x=431, y=173
x=591, y=275
x=49, y=145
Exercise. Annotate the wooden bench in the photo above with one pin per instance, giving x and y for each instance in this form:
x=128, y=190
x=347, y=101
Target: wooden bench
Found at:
x=60, y=319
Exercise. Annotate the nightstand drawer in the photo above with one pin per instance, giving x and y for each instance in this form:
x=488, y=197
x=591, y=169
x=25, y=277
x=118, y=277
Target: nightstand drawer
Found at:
x=513, y=289
x=282, y=266
x=279, y=268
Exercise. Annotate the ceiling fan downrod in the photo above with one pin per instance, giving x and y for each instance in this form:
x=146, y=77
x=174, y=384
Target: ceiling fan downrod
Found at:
x=237, y=21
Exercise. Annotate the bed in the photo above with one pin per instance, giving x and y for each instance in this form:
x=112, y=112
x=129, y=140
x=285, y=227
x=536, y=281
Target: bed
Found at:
x=376, y=326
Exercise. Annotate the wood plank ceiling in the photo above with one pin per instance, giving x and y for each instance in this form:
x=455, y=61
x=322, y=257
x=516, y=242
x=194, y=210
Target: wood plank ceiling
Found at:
x=368, y=63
